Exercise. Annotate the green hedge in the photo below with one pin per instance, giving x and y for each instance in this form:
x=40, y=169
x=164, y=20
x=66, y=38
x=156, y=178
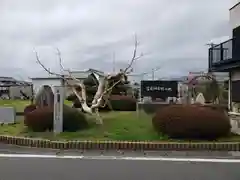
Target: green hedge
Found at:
x=123, y=103
x=29, y=108
x=41, y=119
x=192, y=122
x=118, y=102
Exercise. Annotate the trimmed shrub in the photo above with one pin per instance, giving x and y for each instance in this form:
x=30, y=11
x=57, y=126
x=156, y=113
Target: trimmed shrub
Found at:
x=151, y=108
x=123, y=103
x=118, y=102
x=77, y=104
x=73, y=120
x=219, y=107
x=191, y=122
x=71, y=97
x=90, y=81
x=29, y=108
x=41, y=119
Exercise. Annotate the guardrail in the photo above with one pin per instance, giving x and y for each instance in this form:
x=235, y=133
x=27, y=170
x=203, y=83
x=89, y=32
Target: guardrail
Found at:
x=221, y=53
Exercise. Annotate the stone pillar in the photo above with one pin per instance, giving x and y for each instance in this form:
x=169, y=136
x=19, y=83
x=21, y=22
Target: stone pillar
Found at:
x=58, y=109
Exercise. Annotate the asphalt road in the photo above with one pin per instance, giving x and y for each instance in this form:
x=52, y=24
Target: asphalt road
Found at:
x=38, y=168
x=75, y=169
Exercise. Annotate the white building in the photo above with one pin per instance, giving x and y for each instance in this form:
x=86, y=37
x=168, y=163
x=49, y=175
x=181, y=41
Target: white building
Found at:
x=39, y=82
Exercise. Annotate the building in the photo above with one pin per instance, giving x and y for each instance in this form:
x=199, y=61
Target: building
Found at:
x=11, y=88
x=39, y=82
x=225, y=57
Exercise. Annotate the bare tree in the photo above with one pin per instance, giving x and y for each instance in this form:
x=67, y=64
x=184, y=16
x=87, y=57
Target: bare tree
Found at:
x=104, y=88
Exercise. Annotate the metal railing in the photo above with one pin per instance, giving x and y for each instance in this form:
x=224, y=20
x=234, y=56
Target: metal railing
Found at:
x=221, y=53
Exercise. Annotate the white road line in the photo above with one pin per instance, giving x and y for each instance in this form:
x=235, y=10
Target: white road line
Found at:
x=120, y=158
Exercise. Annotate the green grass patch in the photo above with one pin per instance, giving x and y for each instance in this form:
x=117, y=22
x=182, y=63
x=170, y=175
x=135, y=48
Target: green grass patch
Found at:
x=117, y=126
x=19, y=105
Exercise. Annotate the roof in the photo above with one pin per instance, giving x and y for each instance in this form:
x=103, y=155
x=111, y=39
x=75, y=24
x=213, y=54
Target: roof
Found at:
x=52, y=78
x=46, y=78
x=82, y=74
x=234, y=6
x=4, y=78
x=10, y=81
x=101, y=73
x=90, y=70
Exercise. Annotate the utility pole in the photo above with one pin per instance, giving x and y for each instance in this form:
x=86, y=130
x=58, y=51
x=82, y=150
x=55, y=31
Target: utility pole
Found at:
x=152, y=74
x=114, y=63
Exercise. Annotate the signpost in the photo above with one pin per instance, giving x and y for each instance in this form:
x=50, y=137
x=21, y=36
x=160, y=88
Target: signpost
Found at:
x=58, y=109
x=159, y=89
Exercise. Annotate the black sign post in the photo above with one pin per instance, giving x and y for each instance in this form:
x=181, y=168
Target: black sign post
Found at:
x=159, y=89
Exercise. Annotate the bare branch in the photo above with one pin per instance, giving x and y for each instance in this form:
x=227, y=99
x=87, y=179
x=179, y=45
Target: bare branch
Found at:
x=125, y=71
x=41, y=64
x=134, y=57
x=60, y=59
x=104, y=88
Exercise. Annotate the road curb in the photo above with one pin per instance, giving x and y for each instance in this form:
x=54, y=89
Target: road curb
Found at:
x=120, y=145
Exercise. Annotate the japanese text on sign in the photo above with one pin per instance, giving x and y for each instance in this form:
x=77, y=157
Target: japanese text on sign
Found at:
x=158, y=88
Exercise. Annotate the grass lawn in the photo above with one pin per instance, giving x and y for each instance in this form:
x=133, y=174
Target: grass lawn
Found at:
x=117, y=126
x=17, y=104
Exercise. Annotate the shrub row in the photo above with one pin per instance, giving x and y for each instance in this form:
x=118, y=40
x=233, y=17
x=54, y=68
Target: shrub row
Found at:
x=41, y=119
x=195, y=121
x=123, y=103
x=118, y=103
x=192, y=122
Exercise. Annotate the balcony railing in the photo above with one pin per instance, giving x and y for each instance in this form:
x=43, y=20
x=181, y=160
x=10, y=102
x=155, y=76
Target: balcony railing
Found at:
x=221, y=53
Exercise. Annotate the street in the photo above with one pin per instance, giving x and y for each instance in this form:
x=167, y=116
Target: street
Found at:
x=37, y=164
x=75, y=169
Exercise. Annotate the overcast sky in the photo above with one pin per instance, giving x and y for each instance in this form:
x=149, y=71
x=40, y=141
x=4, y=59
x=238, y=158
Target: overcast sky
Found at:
x=172, y=33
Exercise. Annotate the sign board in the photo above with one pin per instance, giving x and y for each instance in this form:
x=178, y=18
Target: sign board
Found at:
x=58, y=109
x=159, y=89
x=235, y=91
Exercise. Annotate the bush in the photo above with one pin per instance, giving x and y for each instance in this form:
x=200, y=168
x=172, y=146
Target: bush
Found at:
x=71, y=97
x=77, y=104
x=191, y=122
x=219, y=107
x=73, y=120
x=118, y=102
x=41, y=119
x=123, y=103
x=29, y=108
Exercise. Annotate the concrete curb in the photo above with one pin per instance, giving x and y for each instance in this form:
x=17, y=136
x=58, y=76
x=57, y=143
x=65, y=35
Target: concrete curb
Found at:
x=120, y=145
